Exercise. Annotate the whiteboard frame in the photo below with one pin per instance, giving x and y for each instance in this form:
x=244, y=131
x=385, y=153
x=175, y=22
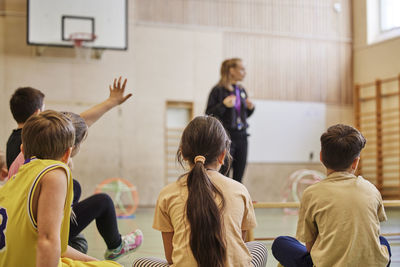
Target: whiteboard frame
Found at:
x=29, y=42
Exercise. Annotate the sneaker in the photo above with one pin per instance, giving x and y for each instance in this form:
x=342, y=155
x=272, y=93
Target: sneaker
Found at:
x=130, y=243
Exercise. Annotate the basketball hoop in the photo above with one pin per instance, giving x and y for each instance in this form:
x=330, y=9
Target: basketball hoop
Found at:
x=79, y=39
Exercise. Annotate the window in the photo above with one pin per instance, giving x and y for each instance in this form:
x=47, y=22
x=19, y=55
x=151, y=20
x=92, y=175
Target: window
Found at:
x=383, y=20
x=389, y=14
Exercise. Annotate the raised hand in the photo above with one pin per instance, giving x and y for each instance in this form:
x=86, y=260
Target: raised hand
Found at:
x=117, y=92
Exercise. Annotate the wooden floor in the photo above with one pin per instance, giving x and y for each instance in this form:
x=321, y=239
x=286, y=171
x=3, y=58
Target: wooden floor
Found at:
x=271, y=222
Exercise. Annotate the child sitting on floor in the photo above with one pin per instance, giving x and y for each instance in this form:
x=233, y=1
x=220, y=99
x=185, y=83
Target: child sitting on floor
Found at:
x=204, y=215
x=339, y=216
x=99, y=207
x=38, y=234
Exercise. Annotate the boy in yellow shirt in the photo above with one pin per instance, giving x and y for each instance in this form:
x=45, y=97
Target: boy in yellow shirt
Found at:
x=35, y=205
x=339, y=217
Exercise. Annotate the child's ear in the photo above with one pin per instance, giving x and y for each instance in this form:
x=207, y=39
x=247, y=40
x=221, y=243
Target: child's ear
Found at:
x=37, y=111
x=67, y=155
x=221, y=157
x=354, y=165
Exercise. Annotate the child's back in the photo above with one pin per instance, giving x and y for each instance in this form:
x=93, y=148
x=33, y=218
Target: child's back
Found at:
x=339, y=217
x=204, y=215
x=238, y=215
x=35, y=205
x=345, y=211
x=19, y=227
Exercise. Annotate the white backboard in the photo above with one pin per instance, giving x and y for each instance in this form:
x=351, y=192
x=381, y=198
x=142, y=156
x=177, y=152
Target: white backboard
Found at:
x=286, y=132
x=51, y=22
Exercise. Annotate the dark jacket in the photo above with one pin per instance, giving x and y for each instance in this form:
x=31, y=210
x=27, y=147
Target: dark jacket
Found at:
x=228, y=116
x=13, y=146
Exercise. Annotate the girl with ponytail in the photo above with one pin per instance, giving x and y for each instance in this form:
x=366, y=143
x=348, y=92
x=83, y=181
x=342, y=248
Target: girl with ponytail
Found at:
x=204, y=216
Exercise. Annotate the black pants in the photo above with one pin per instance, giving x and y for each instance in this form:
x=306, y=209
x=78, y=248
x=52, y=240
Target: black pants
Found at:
x=77, y=191
x=239, y=157
x=99, y=207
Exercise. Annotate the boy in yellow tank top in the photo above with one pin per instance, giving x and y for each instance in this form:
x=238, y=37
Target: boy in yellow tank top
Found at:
x=35, y=206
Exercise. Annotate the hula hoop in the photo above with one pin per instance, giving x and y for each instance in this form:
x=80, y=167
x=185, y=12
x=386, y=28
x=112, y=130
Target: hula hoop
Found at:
x=296, y=178
x=120, y=186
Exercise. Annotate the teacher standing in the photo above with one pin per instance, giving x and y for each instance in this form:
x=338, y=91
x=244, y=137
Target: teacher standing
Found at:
x=228, y=101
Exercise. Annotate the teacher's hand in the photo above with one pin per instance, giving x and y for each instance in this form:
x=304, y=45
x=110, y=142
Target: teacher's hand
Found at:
x=229, y=101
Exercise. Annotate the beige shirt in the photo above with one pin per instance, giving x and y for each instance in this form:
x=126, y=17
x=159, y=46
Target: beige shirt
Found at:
x=170, y=216
x=342, y=214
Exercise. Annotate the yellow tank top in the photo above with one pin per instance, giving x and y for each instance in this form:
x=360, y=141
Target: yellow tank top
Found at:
x=18, y=229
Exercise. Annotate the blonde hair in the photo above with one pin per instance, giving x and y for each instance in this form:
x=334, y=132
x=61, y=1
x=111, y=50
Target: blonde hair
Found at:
x=226, y=66
x=47, y=135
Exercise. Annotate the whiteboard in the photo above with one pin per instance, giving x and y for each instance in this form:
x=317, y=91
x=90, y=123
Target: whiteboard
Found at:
x=50, y=22
x=285, y=132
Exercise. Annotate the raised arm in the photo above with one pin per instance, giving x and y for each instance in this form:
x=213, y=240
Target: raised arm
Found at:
x=117, y=97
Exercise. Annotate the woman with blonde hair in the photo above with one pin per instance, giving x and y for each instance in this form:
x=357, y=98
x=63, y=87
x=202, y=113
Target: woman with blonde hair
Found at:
x=229, y=102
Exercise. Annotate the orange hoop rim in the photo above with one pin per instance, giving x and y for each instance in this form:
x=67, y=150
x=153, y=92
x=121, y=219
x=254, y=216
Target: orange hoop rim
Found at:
x=82, y=37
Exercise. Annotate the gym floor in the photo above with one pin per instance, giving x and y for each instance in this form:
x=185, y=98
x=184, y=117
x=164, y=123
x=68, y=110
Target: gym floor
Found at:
x=271, y=223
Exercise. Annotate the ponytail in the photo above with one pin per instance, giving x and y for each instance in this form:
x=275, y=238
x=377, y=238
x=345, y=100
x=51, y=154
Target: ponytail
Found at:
x=204, y=216
x=203, y=141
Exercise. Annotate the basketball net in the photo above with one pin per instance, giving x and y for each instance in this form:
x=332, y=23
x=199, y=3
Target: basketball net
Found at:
x=82, y=52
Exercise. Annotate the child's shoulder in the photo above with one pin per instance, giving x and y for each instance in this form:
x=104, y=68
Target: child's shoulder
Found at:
x=173, y=187
x=226, y=183
x=42, y=166
x=45, y=162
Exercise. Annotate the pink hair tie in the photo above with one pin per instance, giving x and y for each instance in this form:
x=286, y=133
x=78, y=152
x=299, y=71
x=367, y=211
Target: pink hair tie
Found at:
x=200, y=158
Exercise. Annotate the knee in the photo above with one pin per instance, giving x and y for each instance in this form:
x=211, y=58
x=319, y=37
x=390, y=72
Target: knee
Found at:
x=278, y=242
x=104, y=199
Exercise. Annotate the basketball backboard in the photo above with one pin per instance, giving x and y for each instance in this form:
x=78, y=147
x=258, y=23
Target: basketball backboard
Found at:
x=51, y=22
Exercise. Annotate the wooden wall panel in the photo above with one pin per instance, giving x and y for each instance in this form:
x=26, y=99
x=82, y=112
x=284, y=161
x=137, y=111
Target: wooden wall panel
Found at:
x=291, y=17
x=297, y=50
x=378, y=118
x=293, y=69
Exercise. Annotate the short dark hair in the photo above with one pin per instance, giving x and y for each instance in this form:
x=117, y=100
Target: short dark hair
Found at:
x=24, y=102
x=47, y=135
x=340, y=145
